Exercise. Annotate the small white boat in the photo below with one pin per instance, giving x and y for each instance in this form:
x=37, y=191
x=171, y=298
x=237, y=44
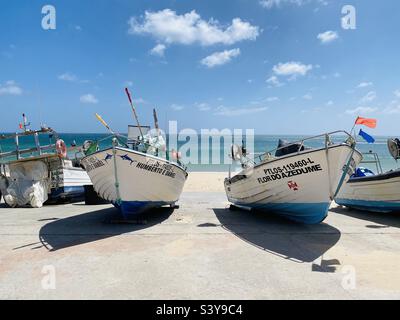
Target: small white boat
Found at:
x=138, y=174
x=134, y=181
x=298, y=183
x=373, y=192
x=39, y=174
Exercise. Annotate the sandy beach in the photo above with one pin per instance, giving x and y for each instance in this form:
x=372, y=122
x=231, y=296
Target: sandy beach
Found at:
x=205, y=182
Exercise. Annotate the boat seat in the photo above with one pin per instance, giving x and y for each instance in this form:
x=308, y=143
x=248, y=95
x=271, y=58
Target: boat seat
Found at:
x=286, y=147
x=363, y=172
x=377, y=177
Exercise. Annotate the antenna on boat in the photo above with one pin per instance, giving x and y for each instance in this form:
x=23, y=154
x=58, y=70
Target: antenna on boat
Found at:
x=25, y=124
x=134, y=111
x=42, y=125
x=156, y=121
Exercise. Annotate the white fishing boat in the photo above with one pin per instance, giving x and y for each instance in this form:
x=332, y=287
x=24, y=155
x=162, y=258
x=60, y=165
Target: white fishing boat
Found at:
x=370, y=191
x=138, y=174
x=296, y=182
x=32, y=175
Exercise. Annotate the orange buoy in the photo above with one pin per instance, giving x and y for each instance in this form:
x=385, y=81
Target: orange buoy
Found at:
x=61, y=148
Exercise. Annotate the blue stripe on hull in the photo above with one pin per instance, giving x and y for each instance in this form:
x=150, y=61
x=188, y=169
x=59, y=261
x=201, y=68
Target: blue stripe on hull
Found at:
x=132, y=208
x=373, y=206
x=64, y=192
x=307, y=213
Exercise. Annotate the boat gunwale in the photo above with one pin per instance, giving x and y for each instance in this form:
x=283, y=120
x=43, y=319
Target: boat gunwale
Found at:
x=378, y=177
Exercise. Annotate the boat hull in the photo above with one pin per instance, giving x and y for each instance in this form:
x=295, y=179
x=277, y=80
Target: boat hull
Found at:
x=298, y=186
x=380, y=193
x=133, y=181
x=69, y=183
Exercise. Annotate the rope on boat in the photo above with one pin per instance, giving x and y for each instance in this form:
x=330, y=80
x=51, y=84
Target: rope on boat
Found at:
x=327, y=143
x=115, y=142
x=345, y=171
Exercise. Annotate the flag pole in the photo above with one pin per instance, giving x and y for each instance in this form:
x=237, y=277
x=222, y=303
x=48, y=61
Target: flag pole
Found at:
x=134, y=112
x=354, y=126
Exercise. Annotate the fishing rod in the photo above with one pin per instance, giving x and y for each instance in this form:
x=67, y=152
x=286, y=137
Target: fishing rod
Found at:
x=105, y=124
x=117, y=135
x=134, y=112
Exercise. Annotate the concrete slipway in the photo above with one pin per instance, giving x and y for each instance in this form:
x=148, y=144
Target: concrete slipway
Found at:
x=199, y=251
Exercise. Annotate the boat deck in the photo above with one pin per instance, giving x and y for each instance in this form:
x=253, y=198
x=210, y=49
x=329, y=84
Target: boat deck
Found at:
x=200, y=251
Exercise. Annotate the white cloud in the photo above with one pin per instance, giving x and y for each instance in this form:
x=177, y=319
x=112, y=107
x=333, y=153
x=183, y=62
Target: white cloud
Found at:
x=203, y=106
x=392, y=109
x=397, y=93
x=328, y=36
x=361, y=110
x=78, y=28
x=370, y=96
x=220, y=58
x=177, y=107
x=307, y=96
x=269, y=4
x=330, y=103
x=291, y=69
x=272, y=99
x=10, y=88
x=365, y=85
x=169, y=27
x=89, y=98
x=68, y=77
x=128, y=84
x=274, y=82
x=140, y=101
x=158, y=50
x=234, y=112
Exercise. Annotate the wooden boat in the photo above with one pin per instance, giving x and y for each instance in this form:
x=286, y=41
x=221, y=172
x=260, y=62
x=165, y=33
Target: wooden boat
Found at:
x=136, y=173
x=134, y=176
x=296, y=182
x=370, y=191
x=32, y=174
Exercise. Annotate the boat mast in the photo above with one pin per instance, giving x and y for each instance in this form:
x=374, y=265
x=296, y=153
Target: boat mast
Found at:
x=134, y=112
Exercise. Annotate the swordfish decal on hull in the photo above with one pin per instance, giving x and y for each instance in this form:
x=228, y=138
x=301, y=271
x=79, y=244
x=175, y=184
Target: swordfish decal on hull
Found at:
x=108, y=157
x=127, y=158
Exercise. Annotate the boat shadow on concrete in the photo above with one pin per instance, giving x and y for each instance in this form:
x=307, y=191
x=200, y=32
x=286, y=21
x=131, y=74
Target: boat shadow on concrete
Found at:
x=96, y=225
x=381, y=220
x=288, y=240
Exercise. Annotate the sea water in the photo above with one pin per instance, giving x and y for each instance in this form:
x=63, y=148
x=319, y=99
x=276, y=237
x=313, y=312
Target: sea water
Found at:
x=262, y=144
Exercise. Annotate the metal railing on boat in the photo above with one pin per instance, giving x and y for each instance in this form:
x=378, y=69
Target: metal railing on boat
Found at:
x=376, y=161
x=17, y=152
x=301, y=144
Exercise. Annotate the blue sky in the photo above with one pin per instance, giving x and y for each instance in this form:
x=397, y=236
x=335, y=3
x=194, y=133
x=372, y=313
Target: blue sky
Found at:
x=276, y=66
